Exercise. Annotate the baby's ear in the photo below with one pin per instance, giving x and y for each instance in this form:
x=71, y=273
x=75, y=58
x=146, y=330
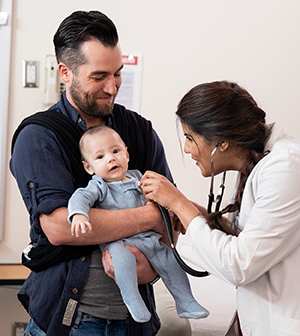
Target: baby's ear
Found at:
x=127, y=154
x=88, y=168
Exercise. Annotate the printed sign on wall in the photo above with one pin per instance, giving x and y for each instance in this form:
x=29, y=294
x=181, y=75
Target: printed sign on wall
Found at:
x=129, y=93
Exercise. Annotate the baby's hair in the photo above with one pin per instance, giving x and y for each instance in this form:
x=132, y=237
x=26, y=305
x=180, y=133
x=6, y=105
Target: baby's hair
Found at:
x=92, y=131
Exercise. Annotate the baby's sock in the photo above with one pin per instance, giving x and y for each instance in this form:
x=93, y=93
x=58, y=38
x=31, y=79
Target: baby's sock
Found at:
x=138, y=310
x=192, y=311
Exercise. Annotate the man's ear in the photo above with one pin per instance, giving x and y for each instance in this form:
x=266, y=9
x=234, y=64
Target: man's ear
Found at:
x=223, y=146
x=88, y=168
x=64, y=72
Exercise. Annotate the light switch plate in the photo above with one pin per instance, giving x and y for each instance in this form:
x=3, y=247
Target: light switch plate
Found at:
x=30, y=70
x=18, y=328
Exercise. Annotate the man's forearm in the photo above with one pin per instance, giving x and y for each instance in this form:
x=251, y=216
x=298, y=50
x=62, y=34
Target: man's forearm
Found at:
x=107, y=225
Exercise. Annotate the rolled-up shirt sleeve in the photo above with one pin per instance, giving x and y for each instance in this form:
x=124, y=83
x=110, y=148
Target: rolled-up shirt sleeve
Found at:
x=42, y=171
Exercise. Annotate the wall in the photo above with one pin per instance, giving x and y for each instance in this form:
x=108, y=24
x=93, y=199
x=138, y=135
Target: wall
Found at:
x=255, y=43
x=183, y=43
x=10, y=310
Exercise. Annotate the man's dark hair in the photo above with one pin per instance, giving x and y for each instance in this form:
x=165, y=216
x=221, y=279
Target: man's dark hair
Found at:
x=78, y=28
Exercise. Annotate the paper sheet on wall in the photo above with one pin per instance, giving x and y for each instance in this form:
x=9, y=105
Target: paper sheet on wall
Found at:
x=129, y=93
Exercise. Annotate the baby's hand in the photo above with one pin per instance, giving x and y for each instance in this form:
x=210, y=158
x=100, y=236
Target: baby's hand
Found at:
x=80, y=224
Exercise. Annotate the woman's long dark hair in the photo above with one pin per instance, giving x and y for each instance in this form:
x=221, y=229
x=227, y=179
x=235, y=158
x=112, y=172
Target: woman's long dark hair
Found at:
x=223, y=111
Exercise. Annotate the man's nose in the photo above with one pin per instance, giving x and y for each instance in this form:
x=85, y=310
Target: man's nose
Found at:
x=110, y=85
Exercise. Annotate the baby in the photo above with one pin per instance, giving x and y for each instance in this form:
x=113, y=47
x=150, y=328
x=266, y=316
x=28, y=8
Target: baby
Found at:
x=113, y=186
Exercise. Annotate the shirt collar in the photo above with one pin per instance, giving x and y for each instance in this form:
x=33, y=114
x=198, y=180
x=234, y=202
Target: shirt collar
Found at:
x=277, y=132
x=65, y=107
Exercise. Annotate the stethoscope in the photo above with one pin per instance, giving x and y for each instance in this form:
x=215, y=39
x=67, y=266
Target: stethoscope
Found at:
x=211, y=196
x=211, y=200
x=182, y=264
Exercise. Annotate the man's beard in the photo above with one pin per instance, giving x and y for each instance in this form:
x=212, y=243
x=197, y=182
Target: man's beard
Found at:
x=87, y=103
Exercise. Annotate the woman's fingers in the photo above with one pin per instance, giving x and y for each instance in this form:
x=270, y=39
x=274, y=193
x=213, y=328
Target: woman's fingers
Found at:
x=149, y=174
x=158, y=188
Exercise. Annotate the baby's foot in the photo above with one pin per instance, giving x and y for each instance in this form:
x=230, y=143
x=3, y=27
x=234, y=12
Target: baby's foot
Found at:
x=193, y=311
x=138, y=311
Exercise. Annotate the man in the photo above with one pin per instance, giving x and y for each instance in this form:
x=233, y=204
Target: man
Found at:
x=63, y=294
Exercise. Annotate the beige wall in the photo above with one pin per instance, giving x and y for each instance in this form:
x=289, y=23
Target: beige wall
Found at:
x=183, y=43
x=10, y=311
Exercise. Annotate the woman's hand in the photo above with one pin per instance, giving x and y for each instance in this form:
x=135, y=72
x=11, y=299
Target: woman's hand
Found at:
x=159, y=189
x=145, y=272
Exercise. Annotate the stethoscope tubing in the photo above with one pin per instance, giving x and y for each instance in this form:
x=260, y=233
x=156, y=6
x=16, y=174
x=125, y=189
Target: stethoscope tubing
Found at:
x=168, y=224
x=182, y=264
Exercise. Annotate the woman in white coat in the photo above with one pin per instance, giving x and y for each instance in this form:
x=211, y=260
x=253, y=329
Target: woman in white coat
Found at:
x=258, y=250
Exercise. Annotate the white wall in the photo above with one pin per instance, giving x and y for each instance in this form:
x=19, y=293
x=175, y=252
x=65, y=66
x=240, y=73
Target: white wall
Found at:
x=183, y=43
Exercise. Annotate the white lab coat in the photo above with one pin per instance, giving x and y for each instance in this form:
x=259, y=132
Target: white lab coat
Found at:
x=263, y=262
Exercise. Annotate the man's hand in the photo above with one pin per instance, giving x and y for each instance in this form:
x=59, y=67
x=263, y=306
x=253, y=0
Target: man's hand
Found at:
x=145, y=272
x=108, y=265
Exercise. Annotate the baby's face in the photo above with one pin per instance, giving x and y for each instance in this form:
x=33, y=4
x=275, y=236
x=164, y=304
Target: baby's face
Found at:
x=106, y=156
